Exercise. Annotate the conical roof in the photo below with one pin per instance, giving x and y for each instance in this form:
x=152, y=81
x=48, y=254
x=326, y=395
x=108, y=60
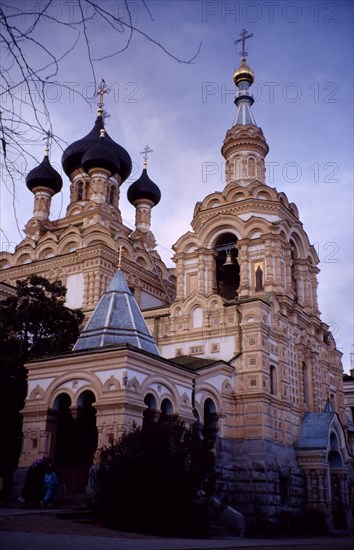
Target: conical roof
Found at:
x=72, y=156
x=144, y=188
x=117, y=319
x=44, y=175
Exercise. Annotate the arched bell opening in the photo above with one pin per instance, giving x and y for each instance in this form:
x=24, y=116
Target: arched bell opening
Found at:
x=227, y=266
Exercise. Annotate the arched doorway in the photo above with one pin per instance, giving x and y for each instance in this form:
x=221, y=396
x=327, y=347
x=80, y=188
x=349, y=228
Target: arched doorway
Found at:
x=211, y=423
x=227, y=267
x=75, y=440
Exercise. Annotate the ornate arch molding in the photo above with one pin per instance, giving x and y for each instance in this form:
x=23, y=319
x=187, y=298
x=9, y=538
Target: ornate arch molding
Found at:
x=61, y=385
x=171, y=393
x=217, y=227
x=337, y=429
x=207, y=391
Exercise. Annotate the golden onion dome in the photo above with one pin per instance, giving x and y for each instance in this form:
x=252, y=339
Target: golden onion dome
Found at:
x=243, y=73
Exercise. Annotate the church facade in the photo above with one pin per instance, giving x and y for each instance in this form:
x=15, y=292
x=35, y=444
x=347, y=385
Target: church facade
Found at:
x=231, y=338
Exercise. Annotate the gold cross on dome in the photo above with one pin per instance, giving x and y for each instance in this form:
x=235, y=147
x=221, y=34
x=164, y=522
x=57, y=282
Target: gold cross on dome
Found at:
x=145, y=153
x=101, y=90
x=244, y=37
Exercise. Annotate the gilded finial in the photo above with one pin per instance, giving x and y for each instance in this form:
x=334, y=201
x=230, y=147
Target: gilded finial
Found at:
x=244, y=74
x=145, y=153
x=102, y=133
x=119, y=257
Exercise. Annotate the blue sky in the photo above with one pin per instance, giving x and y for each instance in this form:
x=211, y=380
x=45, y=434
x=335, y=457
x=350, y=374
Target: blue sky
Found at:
x=302, y=57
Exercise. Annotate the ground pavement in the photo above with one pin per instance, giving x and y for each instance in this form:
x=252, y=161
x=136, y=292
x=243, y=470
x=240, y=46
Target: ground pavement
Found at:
x=25, y=529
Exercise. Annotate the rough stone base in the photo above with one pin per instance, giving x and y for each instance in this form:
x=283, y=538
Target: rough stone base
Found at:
x=262, y=480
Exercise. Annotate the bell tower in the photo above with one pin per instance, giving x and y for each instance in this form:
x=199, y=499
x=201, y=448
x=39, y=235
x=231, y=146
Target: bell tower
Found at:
x=247, y=249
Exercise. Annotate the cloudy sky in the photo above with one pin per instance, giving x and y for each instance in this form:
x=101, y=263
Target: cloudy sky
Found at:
x=301, y=53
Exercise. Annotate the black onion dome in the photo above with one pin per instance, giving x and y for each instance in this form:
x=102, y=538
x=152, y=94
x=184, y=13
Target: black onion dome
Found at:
x=72, y=156
x=101, y=155
x=144, y=188
x=44, y=175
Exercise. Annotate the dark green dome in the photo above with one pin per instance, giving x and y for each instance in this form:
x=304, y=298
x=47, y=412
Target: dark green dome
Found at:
x=72, y=156
x=100, y=155
x=144, y=188
x=44, y=175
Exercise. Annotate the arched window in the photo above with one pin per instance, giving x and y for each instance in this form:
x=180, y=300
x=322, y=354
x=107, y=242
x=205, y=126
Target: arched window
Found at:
x=251, y=167
x=293, y=278
x=62, y=402
x=80, y=191
x=210, y=428
x=238, y=168
x=306, y=384
x=227, y=267
x=273, y=379
x=150, y=411
x=112, y=195
x=166, y=408
x=197, y=317
x=84, y=404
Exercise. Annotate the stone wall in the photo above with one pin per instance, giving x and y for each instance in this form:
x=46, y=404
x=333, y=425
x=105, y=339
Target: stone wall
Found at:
x=261, y=479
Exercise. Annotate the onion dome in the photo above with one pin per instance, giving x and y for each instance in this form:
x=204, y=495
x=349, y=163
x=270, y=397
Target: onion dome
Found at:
x=44, y=175
x=101, y=155
x=243, y=74
x=144, y=188
x=72, y=156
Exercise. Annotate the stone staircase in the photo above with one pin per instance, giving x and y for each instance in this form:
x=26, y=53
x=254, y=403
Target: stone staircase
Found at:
x=224, y=521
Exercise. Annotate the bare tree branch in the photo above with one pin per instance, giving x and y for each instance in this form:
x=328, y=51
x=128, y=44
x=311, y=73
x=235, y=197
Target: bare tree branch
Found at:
x=30, y=66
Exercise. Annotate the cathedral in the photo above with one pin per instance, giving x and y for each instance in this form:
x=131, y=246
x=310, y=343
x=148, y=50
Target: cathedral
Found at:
x=230, y=338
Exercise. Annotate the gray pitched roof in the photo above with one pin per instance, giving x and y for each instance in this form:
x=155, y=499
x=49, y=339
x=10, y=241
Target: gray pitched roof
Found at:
x=116, y=319
x=314, y=430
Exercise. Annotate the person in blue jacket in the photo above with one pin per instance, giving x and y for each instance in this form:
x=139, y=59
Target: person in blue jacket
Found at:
x=50, y=485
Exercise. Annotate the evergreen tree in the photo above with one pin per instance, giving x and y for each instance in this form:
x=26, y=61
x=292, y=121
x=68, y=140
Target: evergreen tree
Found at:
x=33, y=323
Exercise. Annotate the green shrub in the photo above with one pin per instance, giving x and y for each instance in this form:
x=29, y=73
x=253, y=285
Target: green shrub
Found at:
x=149, y=480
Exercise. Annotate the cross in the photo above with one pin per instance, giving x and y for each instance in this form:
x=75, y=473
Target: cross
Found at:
x=145, y=153
x=120, y=257
x=47, y=140
x=244, y=37
x=101, y=90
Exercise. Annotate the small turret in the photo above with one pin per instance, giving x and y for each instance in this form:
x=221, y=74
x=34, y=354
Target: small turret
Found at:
x=144, y=194
x=44, y=182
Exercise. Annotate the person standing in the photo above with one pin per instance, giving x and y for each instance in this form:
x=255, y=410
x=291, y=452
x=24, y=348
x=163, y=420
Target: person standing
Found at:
x=50, y=485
